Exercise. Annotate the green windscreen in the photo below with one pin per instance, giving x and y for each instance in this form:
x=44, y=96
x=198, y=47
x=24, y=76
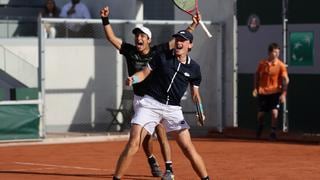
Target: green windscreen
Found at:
x=19, y=121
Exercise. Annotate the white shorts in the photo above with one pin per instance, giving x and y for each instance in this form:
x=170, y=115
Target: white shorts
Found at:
x=149, y=112
x=136, y=101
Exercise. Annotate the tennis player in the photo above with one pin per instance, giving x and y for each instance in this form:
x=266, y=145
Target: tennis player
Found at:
x=137, y=57
x=172, y=72
x=270, y=85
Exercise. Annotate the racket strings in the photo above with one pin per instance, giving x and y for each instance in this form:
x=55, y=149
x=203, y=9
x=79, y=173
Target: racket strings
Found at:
x=189, y=6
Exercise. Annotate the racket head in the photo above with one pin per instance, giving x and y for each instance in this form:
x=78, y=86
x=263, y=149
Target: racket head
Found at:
x=199, y=115
x=188, y=6
x=191, y=8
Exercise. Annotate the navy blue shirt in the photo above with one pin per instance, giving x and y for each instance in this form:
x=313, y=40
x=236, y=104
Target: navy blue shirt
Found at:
x=136, y=62
x=170, y=78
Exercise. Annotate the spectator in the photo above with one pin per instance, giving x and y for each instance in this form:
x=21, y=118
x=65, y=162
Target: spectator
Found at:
x=50, y=10
x=78, y=10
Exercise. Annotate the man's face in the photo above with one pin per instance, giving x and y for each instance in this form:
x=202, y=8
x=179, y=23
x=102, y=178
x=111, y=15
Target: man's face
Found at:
x=274, y=54
x=142, y=42
x=182, y=46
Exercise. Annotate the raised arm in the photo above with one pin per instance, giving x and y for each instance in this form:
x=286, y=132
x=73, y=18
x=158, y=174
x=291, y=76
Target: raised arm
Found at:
x=111, y=37
x=138, y=76
x=190, y=28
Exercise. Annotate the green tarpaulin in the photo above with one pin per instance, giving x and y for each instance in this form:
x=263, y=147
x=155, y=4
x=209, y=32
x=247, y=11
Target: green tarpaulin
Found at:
x=19, y=122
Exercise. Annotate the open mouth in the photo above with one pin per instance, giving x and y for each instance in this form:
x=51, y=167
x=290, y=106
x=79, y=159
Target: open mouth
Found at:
x=179, y=46
x=139, y=44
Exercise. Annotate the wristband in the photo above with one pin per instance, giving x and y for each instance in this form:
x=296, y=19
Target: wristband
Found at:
x=201, y=108
x=135, y=79
x=105, y=21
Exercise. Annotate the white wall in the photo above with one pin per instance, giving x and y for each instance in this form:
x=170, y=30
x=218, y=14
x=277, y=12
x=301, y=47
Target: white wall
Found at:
x=24, y=48
x=80, y=82
x=19, y=59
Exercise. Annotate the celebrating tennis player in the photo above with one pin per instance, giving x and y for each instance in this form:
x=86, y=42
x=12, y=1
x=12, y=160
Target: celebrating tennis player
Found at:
x=137, y=57
x=172, y=72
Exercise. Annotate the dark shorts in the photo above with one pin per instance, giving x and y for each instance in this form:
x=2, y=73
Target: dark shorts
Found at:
x=268, y=102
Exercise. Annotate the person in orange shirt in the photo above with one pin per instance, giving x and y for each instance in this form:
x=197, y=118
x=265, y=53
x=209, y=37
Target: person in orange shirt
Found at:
x=270, y=86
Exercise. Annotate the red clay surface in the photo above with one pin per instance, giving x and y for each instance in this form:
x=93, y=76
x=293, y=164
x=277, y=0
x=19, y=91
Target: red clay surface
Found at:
x=226, y=159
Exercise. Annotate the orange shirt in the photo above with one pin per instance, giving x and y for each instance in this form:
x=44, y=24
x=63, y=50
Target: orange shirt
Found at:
x=270, y=76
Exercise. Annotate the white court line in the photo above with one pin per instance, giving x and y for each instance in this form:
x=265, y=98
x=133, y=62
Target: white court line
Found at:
x=69, y=140
x=34, y=169
x=61, y=166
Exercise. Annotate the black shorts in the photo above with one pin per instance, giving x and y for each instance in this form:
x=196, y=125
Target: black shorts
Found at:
x=268, y=102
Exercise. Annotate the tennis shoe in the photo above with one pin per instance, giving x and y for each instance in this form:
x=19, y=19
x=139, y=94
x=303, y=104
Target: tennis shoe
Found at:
x=168, y=175
x=273, y=136
x=155, y=169
x=259, y=132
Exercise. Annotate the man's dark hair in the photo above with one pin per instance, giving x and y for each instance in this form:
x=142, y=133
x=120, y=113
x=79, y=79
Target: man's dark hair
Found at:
x=273, y=46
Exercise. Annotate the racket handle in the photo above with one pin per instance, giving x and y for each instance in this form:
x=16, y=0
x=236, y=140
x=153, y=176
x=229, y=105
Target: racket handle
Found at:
x=205, y=29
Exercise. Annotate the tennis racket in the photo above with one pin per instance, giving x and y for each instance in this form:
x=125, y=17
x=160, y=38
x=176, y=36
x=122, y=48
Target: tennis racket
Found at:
x=191, y=7
x=199, y=115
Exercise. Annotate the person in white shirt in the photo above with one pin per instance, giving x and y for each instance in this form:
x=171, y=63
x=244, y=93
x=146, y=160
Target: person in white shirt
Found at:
x=75, y=9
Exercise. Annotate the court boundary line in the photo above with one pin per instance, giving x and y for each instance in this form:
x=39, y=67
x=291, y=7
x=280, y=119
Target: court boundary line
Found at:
x=67, y=140
x=61, y=166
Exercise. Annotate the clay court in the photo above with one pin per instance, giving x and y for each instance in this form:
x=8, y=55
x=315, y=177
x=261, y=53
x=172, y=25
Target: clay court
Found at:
x=226, y=159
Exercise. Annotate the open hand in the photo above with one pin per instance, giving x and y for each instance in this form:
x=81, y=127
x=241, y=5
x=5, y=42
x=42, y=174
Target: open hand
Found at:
x=71, y=10
x=282, y=98
x=255, y=93
x=129, y=81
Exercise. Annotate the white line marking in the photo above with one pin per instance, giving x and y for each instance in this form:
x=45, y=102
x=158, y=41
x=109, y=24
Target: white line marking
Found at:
x=61, y=166
x=34, y=169
x=67, y=140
